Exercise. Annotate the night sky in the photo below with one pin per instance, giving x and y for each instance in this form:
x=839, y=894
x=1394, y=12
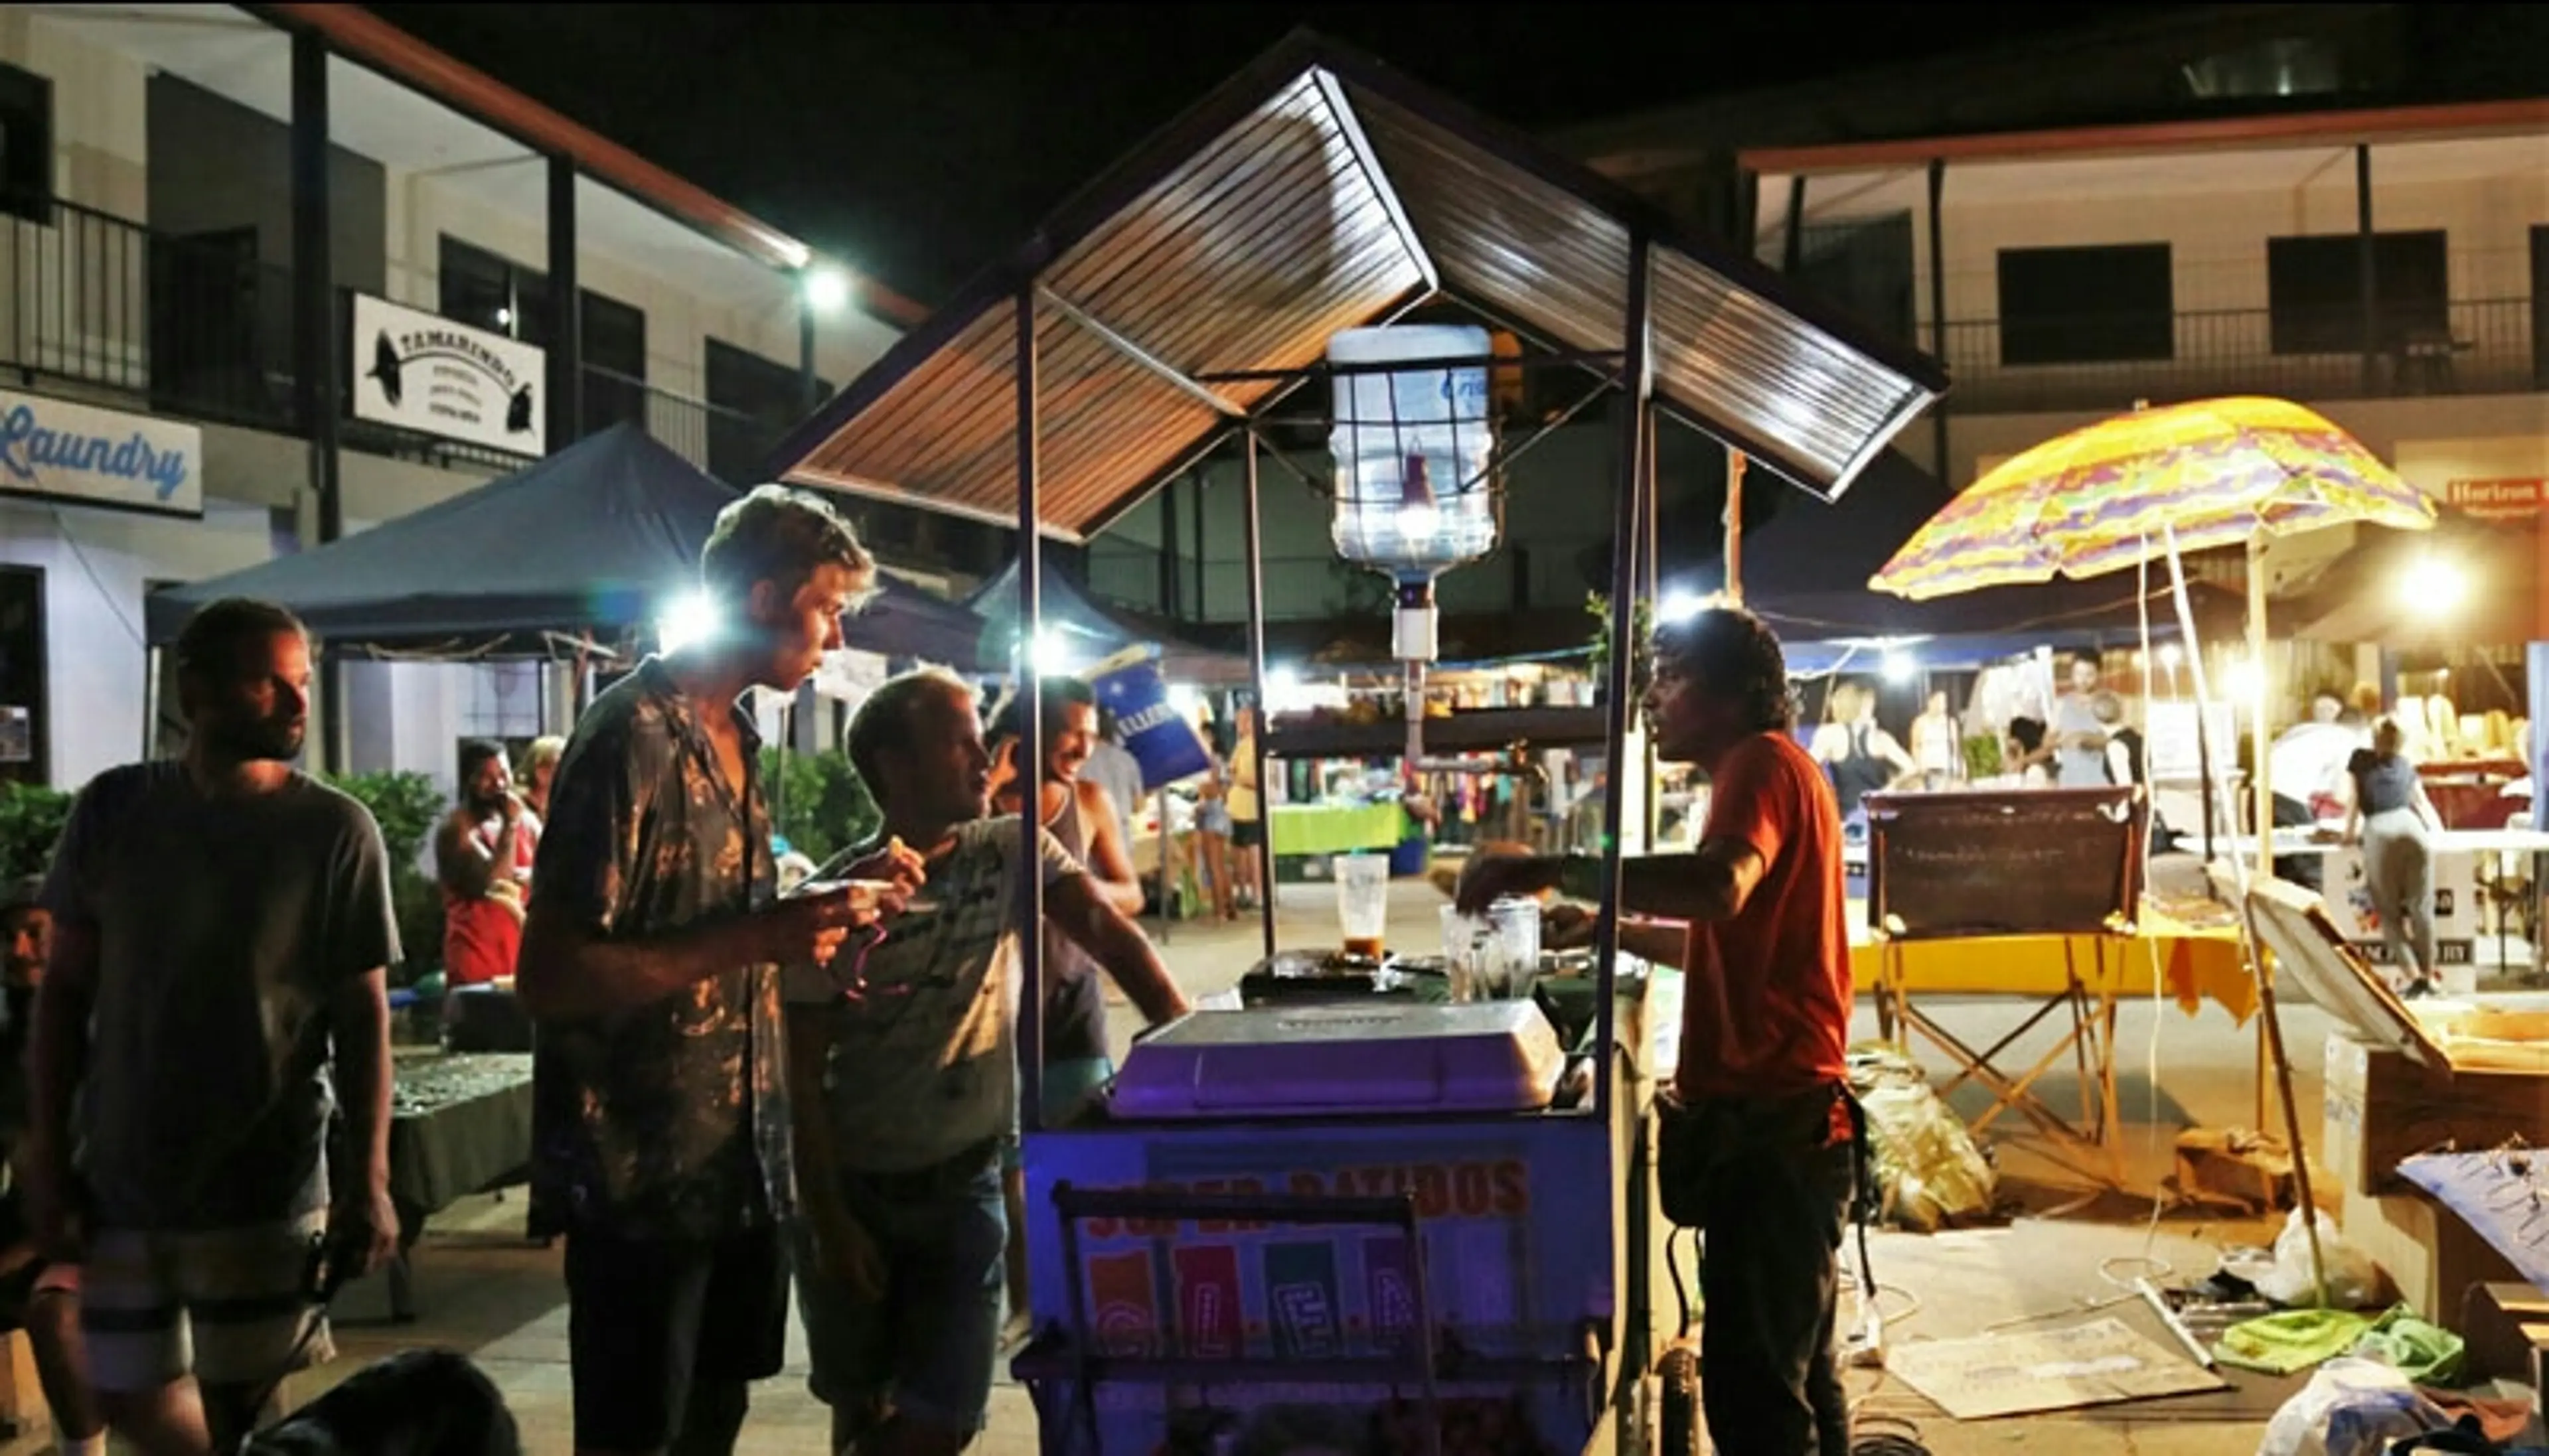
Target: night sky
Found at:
x=919, y=142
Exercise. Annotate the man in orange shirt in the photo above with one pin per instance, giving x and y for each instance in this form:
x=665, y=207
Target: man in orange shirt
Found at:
x=1754, y=917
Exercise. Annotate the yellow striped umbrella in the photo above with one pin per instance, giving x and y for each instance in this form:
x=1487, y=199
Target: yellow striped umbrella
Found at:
x=2212, y=473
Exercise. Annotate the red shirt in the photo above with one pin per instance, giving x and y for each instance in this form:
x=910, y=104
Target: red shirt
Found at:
x=1766, y=997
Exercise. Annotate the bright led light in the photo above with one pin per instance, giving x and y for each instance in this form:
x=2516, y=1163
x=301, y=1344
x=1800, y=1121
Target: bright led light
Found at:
x=827, y=290
x=1677, y=608
x=1055, y=656
x=1419, y=522
x=2170, y=655
x=2431, y=588
x=1900, y=668
x=1184, y=700
x=687, y=619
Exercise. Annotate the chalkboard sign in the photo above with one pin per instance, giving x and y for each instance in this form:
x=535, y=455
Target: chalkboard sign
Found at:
x=2020, y=862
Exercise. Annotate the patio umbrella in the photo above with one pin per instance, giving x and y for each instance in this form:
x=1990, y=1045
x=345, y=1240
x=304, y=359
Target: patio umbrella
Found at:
x=2164, y=482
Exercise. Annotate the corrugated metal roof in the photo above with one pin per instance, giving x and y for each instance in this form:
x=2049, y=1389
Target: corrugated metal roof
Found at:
x=1316, y=192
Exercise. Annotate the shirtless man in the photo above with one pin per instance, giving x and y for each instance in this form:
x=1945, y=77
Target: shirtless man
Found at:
x=483, y=856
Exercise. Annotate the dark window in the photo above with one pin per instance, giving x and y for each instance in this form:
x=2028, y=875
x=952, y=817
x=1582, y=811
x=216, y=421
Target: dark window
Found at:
x=752, y=400
x=24, y=751
x=1862, y=269
x=25, y=145
x=2087, y=305
x=494, y=293
x=2314, y=291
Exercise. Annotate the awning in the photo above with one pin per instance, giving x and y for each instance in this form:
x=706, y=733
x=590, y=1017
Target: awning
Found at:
x=1316, y=192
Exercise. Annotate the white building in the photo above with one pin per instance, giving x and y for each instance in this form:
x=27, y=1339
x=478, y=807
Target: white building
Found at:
x=151, y=226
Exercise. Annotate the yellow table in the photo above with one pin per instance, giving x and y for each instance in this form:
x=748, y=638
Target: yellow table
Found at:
x=2194, y=960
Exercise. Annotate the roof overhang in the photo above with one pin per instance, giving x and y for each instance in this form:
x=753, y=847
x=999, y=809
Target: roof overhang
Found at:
x=1320, y=191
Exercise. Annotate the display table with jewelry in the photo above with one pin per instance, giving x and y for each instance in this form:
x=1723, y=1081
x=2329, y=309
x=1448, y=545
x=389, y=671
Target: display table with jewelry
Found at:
x=459, y=1123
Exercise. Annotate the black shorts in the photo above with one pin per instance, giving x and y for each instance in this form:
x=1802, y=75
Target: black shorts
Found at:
x=650, y=1316
x=1248, y=834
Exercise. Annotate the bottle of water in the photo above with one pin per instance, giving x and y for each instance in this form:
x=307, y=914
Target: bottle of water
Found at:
x=1412, y=450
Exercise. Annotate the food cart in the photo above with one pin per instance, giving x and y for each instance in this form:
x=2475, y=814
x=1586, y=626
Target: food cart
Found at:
x=1432, y=1216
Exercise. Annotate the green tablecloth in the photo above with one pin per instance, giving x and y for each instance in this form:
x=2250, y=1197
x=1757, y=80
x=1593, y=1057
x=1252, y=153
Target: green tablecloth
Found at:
x=457, y=1125
x=1337, y=829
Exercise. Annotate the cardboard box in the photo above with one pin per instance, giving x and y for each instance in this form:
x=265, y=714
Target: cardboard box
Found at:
x=2381, y=1107
x=2430, y=1257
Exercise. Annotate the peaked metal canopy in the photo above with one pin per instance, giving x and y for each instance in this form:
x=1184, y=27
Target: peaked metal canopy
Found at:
x=1320, y=191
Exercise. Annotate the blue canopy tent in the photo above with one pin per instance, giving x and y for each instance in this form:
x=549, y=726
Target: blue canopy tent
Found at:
x=593, y=539
x=1093, y=630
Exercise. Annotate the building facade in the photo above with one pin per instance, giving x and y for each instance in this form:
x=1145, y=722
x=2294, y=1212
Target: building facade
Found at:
x=227, y=231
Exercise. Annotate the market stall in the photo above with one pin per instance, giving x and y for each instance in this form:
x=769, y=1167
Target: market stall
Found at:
x=1419, y=1211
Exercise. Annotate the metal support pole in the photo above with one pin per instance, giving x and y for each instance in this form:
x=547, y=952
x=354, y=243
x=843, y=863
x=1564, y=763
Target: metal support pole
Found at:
x=1257, y=681
x=1939, y=310
x=566, y=311
x=1735, y=526
x=1792, y=248
x=315, y=357
x=1636, y=387
x=1031, y=750
x=810, y=381
x=2369, y=273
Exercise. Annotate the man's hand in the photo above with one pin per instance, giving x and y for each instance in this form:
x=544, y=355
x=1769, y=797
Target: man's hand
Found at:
x=896, y=864
x=365, y=1229
x=1489, y=876
x=845, y=1254
x=1566, y=927
x=810, y=927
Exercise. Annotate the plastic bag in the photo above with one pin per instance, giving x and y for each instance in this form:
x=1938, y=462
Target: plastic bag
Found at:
x=2352, y=1406
x=1927, y=1171
x=2353, y=1280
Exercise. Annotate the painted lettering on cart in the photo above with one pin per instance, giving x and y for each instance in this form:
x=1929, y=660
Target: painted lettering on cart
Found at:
x=1460, y=1190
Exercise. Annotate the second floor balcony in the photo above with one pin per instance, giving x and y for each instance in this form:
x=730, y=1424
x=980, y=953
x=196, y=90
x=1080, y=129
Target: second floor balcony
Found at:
x=100, y=306
x=2483, y=346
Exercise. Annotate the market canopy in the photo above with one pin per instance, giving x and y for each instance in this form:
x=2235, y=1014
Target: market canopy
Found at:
x=594, y=538
x=1316, y=192
x=1093, y=630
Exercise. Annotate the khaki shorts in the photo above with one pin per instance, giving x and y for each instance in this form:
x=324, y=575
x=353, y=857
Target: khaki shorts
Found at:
x=228, y=1306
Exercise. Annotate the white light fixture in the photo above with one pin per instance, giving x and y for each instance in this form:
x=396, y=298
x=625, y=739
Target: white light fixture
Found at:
x=2244, y=682
x=686, y=620
x=1900, y=667
x=827, y=290
x=1677, y=608
x=2170, y=655
x=1055, y=656
x=2431, y=588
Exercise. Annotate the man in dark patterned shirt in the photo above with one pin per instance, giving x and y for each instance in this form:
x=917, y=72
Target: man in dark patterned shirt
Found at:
x=650, y=960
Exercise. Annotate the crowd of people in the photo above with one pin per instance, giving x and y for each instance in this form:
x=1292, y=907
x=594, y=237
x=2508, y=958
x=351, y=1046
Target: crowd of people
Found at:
x=739, y=1090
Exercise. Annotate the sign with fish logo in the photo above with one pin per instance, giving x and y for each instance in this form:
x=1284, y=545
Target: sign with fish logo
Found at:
x=416, y=371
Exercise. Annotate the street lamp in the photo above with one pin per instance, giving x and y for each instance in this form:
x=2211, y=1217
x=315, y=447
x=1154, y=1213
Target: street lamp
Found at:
x=827, y=290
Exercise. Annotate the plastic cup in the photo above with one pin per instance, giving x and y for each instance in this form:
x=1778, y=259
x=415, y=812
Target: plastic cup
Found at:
x=1363, y=901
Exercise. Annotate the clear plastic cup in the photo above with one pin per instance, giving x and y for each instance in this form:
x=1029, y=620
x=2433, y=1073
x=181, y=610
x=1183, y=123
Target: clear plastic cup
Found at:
x=1493, y=956
x=1363, y=901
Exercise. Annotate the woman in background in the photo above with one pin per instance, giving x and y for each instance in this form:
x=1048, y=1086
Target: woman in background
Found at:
x=1247, y=811
x=539, y=765
x=2389, y=819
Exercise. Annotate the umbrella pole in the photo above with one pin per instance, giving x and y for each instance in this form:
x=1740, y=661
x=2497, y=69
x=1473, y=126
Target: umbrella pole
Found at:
x=2270, y=1030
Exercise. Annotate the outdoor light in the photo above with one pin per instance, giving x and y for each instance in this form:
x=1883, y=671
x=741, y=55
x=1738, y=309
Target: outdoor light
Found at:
x=1055, y=656
x=2169, y=656
x=1413, y=448
x=2244, y=680
x=1677, y=608
x=827, y=290
x=688, y=619
x=1184, y=700
x=2431, y=588
x=1900, y=668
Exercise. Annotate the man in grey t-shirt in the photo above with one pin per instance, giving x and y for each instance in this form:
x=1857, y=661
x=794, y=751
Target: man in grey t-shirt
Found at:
x=905, y=1082
x=220, y=922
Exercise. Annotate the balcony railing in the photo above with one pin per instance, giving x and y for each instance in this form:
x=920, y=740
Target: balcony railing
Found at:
x=189, y=327
x=2483, y=346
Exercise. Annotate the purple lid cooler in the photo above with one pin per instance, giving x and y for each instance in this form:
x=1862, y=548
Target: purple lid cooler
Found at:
x=1325, y=1060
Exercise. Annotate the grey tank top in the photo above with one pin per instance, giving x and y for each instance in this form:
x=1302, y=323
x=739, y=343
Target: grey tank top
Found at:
x=1075, y=1007
x=2383, y=784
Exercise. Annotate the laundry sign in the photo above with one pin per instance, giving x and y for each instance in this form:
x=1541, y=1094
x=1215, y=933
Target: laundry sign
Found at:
x=80, y=453
x=417, y=371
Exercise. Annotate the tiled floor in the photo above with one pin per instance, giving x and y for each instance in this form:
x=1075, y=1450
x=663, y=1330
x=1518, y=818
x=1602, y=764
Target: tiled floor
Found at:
x=484, y=1292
